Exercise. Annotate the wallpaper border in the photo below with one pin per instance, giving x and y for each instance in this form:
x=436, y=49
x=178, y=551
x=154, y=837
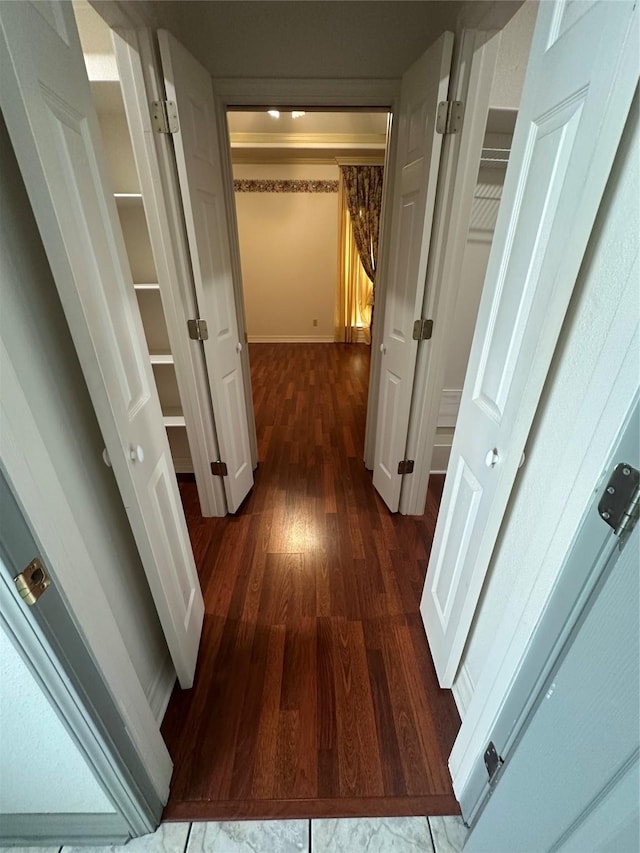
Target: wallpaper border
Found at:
x=244, y=185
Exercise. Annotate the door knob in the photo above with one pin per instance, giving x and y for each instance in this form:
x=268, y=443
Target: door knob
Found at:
x=238, y=347
x=136, y=454
x=105, y=458
x=383, y=349
x=492, y=458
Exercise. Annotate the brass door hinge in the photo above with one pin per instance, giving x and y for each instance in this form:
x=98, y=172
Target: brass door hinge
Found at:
x=219, y=469
x=406, y=466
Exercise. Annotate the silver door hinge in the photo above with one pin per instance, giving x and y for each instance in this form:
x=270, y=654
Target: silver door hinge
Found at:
x=492, y=762
x=620, y=500
x=406, y=466
x=198, y=330
x=449, y=116
x=422, y=330
x=219, y=469
x=164, y=116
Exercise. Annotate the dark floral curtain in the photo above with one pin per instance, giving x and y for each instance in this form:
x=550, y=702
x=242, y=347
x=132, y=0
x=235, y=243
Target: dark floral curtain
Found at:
x=363, y=187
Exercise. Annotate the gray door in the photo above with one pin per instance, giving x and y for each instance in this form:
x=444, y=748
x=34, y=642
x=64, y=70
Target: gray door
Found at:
x=571, y=781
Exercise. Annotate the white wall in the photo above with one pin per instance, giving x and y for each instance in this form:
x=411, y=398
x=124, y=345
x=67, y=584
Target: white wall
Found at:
x=513, y=56
x=42, y=769
x=289, y=255
x=569, y=443
x=34, y=330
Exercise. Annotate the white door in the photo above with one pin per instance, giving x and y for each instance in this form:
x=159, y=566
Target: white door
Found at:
x=141, y=84
x=197, y=146
x=571, y=782
x=46, y=102
x=424, y=85
x=580, y=81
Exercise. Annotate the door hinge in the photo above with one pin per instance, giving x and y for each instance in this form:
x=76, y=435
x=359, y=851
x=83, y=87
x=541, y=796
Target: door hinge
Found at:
x=618, y=505
x=219, y=469
x=164, y=116
x=422, y=330
x=32, y=581
x=492, y=762
x=449, y=117
x=406, y=466
x=198, y=330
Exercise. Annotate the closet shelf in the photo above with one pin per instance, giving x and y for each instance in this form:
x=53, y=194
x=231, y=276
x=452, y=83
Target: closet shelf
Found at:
x=161, y=357
x=173, y=418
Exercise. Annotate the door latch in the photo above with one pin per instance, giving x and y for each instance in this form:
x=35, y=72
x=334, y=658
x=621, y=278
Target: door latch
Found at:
x=32, y=582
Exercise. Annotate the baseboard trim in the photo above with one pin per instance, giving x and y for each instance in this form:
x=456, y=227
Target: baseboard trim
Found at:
x=161, y=690
x=44, y=829
x=291, y=339
x=463, y=689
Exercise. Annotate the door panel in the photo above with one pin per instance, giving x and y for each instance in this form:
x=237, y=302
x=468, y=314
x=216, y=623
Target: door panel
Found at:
x=424, y=85
x=47, y=105
x=580, y=81
x=203, y=197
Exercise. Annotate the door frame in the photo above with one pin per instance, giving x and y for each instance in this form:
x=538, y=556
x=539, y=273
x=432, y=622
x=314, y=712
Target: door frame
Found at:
x=120, y=731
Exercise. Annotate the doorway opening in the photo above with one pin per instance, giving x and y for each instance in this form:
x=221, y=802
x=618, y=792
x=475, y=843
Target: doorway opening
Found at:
x=302, y=274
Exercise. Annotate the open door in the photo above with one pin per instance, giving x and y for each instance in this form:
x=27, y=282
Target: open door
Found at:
x=424, y=85
x=46, y=102
x=580, y=82
x=196, y=142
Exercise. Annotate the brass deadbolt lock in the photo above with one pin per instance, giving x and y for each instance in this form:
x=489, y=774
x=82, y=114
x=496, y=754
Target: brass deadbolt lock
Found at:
x=32, y=582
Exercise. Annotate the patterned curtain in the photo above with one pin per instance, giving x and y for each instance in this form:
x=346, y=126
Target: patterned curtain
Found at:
x=363, y=188
x=355, y=290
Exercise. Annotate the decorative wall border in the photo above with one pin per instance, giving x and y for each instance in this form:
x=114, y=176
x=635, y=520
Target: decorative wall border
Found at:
x=284, y=186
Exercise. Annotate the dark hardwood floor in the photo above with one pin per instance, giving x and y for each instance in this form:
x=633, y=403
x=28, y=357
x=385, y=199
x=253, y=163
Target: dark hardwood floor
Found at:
x=315, y=693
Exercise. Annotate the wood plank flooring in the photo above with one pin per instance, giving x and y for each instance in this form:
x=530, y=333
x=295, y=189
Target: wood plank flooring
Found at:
x=315, y=693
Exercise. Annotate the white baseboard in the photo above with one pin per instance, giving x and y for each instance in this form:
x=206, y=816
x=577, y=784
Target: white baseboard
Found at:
x=161, y=690
x=291, y=339
x=463, y=689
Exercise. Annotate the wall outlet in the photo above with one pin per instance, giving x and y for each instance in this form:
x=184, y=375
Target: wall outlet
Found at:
x=315, y=322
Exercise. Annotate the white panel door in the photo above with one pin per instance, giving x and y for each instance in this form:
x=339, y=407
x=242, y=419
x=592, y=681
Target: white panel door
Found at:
x=46, y=102
x=201, y=185
x=424, y=85
x=580, y=81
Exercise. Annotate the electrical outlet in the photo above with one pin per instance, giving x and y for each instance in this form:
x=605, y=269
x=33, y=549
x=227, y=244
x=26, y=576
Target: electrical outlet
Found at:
x=315, y=322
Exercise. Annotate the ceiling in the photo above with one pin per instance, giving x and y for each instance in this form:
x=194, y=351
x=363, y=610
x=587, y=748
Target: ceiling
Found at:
x=339, y=39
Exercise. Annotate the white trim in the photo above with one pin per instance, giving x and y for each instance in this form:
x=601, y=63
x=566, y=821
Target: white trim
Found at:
x=474, y=66
x=236, y=268
x=291, y=339
x=279, y=92
x=160, y=691
x=463, y=690
x=382, y=274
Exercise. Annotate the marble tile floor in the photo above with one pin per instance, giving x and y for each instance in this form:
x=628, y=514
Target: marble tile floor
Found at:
x=346, y=835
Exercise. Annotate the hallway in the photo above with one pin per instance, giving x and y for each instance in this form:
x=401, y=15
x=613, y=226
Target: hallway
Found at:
x=315, y=694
